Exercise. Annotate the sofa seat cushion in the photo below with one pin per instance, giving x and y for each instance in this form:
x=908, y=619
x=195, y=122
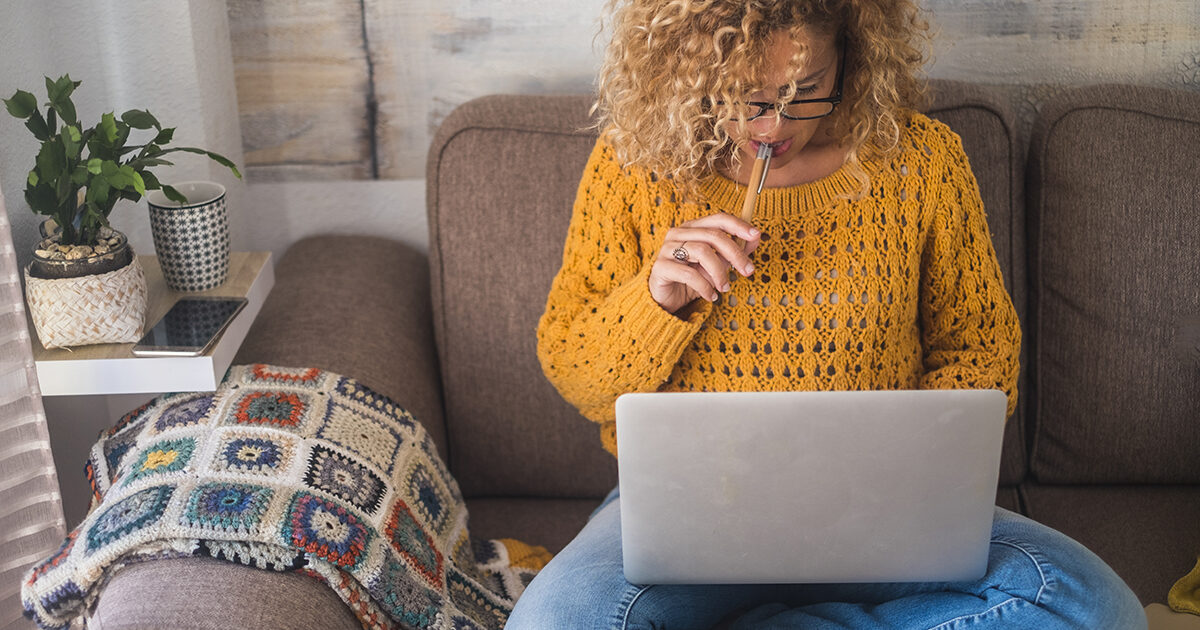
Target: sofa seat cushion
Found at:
x=1147, y=534
x=204, y=593
x=339, y=300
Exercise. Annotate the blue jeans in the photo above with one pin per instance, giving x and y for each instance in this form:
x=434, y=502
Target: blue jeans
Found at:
x=1037, y=578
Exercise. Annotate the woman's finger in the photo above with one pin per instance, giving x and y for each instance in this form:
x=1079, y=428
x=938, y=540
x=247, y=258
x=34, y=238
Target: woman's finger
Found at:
x=716, y=240
x=727, y=223
x=716, y=267
x=670, y=276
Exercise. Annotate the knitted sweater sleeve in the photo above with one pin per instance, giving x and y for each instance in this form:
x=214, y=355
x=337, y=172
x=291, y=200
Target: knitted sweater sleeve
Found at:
x=970, y=333
x=602, y=334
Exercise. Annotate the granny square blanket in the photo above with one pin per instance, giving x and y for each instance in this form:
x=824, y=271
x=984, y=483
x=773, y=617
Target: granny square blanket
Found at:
x=290, y=470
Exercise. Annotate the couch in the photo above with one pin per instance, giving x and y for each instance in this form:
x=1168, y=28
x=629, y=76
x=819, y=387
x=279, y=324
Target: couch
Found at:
x=1096, y=221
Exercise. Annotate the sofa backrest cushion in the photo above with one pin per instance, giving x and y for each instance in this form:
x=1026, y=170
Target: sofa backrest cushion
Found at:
x=502, y=177
x=1115, y=257
x=501, y=181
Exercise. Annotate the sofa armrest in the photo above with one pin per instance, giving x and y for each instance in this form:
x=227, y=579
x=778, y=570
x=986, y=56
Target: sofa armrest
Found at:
x=358, y=306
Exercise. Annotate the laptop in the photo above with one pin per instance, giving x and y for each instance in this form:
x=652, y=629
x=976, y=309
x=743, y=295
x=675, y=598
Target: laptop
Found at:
x=808, y=487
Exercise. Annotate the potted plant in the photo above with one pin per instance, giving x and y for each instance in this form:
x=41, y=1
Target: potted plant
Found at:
x=84, y=284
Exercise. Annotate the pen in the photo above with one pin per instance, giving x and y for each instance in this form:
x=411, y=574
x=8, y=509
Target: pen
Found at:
x=757, y=176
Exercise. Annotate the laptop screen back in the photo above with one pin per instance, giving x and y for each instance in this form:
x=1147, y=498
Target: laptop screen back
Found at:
x=789, y=487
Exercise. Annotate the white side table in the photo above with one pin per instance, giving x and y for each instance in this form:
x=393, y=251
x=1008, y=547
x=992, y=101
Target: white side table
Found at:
x=112, y=368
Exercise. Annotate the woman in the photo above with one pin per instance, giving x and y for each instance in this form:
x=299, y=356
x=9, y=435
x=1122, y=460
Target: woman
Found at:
x=868, y=265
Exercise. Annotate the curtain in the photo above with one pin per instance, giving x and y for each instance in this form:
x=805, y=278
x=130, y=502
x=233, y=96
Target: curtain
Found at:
x=32, y=525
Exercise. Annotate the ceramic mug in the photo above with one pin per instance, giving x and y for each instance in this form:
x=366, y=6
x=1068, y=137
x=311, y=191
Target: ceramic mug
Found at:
x=191, y=239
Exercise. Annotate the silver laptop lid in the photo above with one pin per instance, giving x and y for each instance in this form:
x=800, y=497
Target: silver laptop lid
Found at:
x=789, y=487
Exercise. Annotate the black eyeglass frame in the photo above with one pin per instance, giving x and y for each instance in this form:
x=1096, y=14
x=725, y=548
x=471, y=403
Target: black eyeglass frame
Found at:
x=834, y=100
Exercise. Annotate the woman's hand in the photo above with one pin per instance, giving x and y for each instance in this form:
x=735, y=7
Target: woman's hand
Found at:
x=695, y=259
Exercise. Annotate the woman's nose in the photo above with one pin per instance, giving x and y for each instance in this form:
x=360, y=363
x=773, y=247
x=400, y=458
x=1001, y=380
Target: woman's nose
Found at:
x=765, y=125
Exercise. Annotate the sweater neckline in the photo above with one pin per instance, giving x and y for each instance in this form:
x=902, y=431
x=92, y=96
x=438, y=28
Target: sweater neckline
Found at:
x=781, y=202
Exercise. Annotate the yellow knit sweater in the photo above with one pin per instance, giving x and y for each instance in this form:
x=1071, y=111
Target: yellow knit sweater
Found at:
x=899, y=289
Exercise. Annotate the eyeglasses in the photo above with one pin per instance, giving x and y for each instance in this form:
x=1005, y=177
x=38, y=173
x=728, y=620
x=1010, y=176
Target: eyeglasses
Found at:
x=800, y=109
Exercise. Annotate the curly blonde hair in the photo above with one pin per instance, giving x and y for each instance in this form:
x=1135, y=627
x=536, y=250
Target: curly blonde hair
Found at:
x=671, y=64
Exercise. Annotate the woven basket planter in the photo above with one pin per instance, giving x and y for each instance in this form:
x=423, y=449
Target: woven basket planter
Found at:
x=99, y=308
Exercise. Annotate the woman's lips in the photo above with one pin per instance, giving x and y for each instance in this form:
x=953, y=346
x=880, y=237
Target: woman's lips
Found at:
x=777, y=148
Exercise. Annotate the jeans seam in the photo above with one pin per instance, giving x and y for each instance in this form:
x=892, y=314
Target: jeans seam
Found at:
x=1011, y=600
x=629, y=606
x=1037, y=599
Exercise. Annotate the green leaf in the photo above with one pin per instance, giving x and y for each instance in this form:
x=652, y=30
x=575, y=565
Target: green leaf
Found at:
x=127, y=178
x=164, y=136
x=65, y=85
x=41, y=199
x=22, y=104
x=93, y=166
x=140, y=119
x=52, y=158
x=79, y=176
x=71, y=138
x=122, y=134
x=52, y=89
x=60, y=98
x=66, y=110
x=139, y=184
x=64, y=190
x=107, y=129
x=111, y=173
x=33, y=178
x=151, y=181
x=98, y=192
x=61, y=88
x=216, y=157
x=173, y=195
x=38, y=126
x=148, y=162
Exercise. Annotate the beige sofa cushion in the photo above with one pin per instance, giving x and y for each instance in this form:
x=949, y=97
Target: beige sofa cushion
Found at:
x=195, y=593
x=501, y=182
x=1147, y=534
x=1115, y=209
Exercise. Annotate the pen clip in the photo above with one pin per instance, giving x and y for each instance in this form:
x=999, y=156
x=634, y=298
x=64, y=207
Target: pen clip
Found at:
x=764, y=154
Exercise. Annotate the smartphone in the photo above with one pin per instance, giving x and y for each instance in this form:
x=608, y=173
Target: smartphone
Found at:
x=189, y=327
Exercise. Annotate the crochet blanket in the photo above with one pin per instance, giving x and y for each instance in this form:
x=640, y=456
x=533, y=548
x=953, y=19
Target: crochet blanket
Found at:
x=290, y=470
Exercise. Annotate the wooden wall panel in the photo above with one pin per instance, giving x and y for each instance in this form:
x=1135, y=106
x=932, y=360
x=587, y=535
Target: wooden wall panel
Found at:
x=303, y=89
x=429, y=57
x=353, y=89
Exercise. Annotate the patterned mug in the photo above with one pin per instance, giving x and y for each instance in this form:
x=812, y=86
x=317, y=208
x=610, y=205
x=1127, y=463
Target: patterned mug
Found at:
x=191, y=239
